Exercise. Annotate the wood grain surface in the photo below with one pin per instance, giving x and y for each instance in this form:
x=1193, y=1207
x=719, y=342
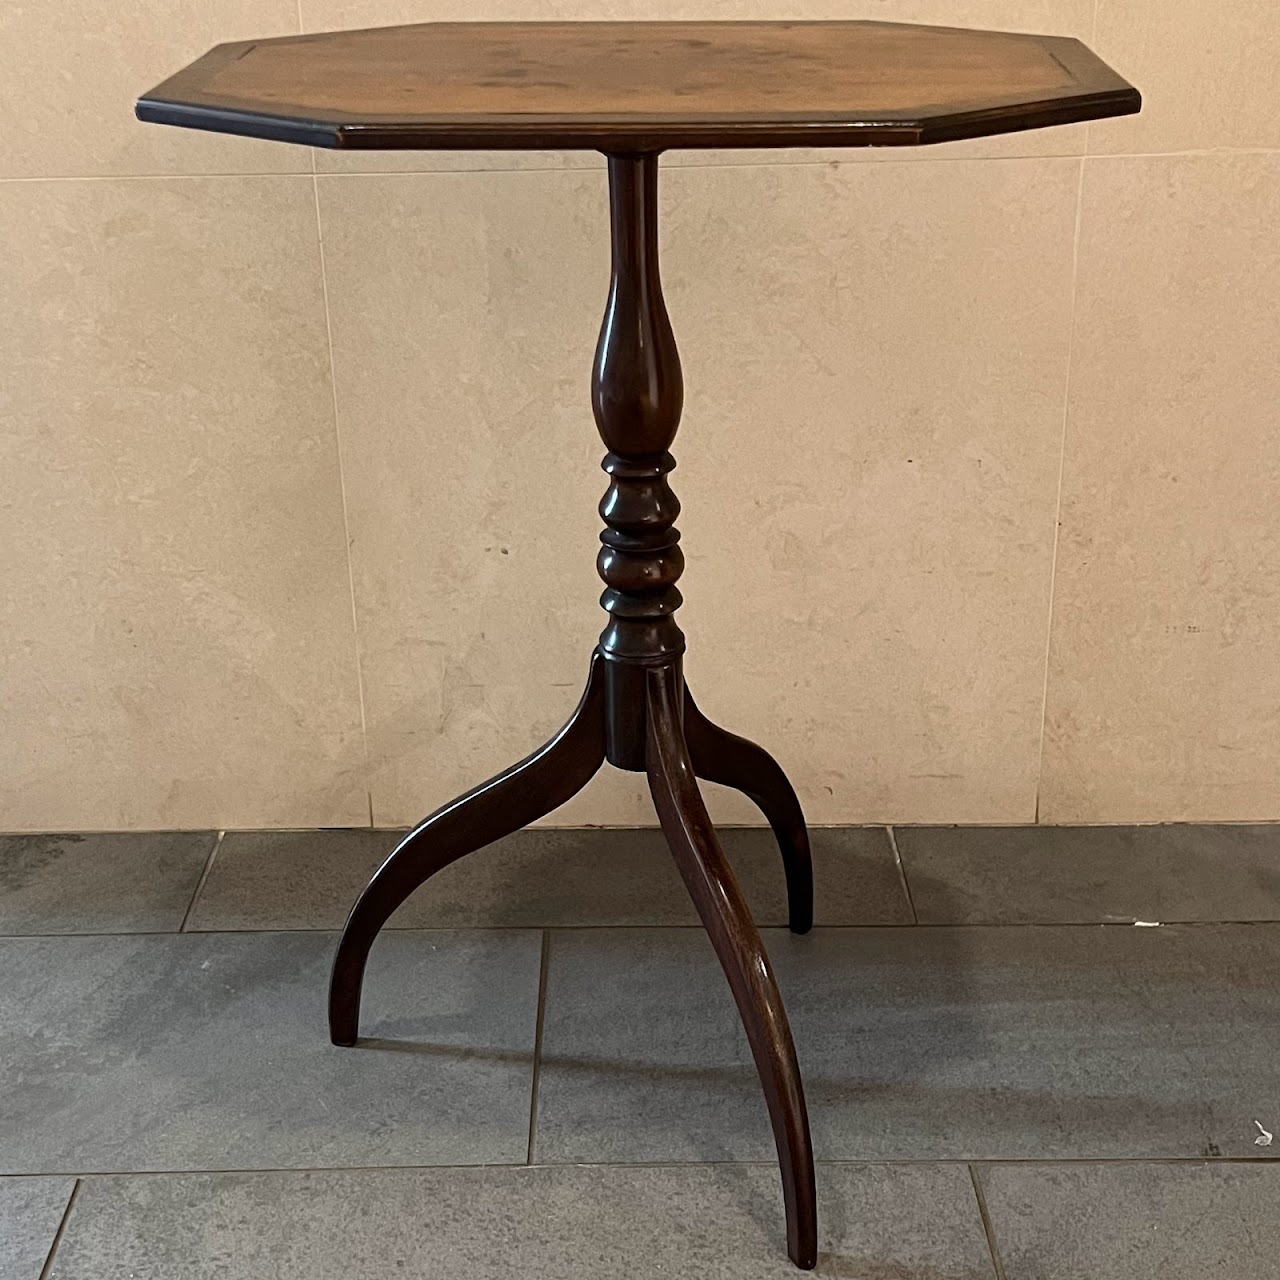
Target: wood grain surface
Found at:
x=654, y=84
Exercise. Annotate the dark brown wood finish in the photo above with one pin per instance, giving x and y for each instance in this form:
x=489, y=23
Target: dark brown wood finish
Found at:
x=715, y=893
x=642, y=86
x=637, y=392
x=631, y=90
x=635, y=711
x=723, y=757
x=530, y=790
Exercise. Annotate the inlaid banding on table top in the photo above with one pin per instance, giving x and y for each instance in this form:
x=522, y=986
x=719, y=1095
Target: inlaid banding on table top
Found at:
x=653, y=84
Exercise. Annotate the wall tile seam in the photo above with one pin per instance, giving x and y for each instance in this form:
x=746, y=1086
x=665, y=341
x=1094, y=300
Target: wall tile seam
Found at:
x=356, y=652
x=1062, y=469
x=1211, y=153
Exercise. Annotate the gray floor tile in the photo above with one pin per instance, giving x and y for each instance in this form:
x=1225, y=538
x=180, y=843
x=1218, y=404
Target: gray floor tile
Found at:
x=536, y=878
x=713, y=1223
x=920, y=1044
x=288, y=879
x=1115, y=1222
x=1063, y=875
x=31, y=1210
x=210, y=1051
x=99, y=883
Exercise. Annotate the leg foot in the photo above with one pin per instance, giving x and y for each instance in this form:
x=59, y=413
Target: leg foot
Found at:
x=525, y=792
x=742, y=955
x=721, y=756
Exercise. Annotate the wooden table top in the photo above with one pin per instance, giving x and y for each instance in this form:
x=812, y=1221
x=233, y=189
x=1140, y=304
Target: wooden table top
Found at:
x=618, y=86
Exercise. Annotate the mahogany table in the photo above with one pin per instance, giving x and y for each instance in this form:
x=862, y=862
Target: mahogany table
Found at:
x=632, y=90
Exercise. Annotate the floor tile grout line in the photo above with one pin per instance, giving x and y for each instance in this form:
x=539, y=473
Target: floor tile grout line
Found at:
x=996, y=1264
x=47, y=1270
x=869, y=1162
x=204, y=876
x=1072, y=333
x=599, y=828
x=543, y=966
x=778, y=927
x=902, y=873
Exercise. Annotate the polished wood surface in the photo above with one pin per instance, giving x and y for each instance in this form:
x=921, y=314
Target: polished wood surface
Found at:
x=637, y=394
x=529, y=790
x=639, y=85
x=727, y=919
x=723, y=757
x=636, y=712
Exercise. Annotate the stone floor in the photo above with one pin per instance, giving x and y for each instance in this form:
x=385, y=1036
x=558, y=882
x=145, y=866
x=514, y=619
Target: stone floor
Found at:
x=1007, y=1079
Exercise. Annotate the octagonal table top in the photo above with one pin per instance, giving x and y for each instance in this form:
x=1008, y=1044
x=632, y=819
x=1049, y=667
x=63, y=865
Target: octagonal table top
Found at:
x=639, y=86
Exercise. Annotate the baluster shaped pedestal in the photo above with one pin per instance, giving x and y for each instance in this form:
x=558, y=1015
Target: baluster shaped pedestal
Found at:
x=637, y=393
x=636, y=712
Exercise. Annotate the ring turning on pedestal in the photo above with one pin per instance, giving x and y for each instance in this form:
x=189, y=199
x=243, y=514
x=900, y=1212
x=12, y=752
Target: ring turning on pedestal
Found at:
x=636, y=712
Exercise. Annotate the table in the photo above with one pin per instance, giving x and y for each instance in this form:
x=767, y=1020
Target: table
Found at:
x=632, y=90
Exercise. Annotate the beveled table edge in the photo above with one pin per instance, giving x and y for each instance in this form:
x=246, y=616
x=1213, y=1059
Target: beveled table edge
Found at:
x=177, y=101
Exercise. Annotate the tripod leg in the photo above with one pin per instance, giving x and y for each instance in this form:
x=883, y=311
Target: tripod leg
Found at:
x=721, y=756
x=527, y=791
x=742, y=955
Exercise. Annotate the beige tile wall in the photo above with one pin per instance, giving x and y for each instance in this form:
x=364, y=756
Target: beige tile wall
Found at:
x=979, y=459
